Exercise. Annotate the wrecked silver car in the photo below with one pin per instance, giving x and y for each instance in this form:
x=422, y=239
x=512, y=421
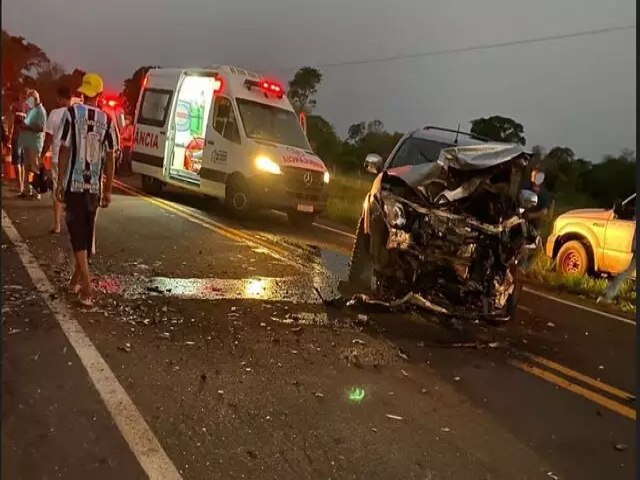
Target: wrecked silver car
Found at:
x=445, y=235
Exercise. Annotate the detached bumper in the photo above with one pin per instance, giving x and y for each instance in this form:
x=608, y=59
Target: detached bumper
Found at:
x=289, y=191
x=551, y=241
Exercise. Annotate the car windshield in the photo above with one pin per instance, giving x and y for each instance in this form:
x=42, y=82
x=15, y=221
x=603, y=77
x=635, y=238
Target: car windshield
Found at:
x=272, y=124
x=415, y=151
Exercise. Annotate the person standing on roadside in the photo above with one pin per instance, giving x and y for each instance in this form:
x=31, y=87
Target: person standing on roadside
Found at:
x=31, y=140
x=540, y=211
x=88, y=139
x=53, y=122
x=126, y=144
x=18, y=114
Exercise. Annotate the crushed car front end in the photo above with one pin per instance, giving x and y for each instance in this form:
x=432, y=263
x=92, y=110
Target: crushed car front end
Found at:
x=448, y=236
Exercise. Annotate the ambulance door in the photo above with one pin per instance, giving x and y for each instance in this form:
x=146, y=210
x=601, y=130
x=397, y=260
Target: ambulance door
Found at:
x=223, y=147
x=154, y=128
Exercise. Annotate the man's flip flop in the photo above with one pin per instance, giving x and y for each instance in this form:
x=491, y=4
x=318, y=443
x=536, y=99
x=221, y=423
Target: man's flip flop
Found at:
x=53, y=231
x=86, y=302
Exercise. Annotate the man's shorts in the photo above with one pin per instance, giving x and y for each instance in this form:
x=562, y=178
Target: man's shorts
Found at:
x=31, y=160
x=17, y=158
x=81, y=209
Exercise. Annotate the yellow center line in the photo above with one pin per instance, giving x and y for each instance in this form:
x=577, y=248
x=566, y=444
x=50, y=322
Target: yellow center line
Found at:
x=577, y=389
x=210, y=224
x=581, y=377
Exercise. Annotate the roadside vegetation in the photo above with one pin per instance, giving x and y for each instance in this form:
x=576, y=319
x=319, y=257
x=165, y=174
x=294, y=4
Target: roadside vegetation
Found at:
x=541, y=270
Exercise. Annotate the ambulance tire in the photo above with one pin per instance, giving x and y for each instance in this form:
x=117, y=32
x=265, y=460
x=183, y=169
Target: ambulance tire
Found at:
x=300, y=219
x=151, y=185
x=237, y=197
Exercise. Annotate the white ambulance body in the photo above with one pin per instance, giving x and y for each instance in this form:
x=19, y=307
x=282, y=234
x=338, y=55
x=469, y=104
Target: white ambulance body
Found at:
x=228, y=133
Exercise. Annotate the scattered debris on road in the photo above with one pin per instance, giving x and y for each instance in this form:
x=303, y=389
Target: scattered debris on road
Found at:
x=394, y=417
x=165, y=335
x=125, y=348
x=621, y=447
x=551, y=324
x=445, y=429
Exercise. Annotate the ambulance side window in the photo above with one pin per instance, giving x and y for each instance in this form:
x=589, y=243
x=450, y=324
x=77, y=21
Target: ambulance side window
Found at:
x=154, y=107
x=224, y=120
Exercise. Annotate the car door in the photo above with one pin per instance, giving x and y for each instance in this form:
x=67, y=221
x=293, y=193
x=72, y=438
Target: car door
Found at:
x=619, y=237
x=222, y=146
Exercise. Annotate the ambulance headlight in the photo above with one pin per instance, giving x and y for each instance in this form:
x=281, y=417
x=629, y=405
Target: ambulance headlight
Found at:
x=326, y=177
x=265, y=164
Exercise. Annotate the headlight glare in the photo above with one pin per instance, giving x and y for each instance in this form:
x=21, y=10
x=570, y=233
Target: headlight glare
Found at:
x=265, y=164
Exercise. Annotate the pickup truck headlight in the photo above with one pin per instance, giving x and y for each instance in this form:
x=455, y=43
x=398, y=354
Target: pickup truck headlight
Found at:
x=326, y=177
x=265, y=164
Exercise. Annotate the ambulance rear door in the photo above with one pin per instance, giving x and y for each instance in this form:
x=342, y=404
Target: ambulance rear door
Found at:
x=154, y=126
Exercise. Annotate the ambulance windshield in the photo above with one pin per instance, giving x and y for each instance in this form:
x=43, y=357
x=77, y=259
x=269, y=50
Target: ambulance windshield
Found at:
x=271, y=124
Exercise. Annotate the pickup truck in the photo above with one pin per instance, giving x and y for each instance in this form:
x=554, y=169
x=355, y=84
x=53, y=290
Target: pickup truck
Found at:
x=596, y=241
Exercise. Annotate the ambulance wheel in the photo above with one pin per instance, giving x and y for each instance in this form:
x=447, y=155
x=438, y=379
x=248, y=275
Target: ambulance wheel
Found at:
x=151, y=185
x=300, y=219
x=237, y=197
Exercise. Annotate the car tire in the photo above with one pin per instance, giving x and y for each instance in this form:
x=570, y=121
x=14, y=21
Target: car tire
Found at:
x=361, y=272
x=572, y=259
x=151, y=185
x=301, y=219
x=237, y=197
x=513, y=300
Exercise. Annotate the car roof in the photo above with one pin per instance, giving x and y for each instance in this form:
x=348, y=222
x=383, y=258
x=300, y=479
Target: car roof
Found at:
x=446, y=137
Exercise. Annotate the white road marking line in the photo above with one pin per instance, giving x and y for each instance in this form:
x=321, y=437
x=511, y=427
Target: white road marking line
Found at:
x=320, y=225
x=581, y=307
x=129, y=420
x=525, y=309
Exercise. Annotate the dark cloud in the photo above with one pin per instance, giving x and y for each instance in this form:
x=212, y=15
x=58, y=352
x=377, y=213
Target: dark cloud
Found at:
x=578, y=92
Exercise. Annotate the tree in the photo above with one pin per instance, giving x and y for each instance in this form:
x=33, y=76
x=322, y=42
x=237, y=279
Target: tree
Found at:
x=499, y=129
x=323, y=139
x=22, y=61
x=375, y=126
x=131, y=88
x=302, y=89
x=356, y=132
x=612, y=179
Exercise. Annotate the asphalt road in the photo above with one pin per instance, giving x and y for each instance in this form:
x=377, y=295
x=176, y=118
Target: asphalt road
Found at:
x=209, y=355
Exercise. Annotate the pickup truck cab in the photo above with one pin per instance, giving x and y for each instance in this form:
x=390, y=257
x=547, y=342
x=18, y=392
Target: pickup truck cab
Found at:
x=594, y=240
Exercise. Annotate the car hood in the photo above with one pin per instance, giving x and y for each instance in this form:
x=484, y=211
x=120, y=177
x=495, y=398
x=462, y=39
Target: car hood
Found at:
x=472, y=165
x=469, y=158
x=592, y=213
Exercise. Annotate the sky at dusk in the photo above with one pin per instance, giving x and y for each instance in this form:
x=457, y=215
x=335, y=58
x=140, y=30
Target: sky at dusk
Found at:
x=579, y=92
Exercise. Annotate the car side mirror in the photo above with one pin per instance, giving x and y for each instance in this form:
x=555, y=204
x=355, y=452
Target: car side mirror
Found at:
x=373, y=163
x=528, y=199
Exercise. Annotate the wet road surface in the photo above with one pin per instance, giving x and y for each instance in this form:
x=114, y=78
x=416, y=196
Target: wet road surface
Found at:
x=214, y=330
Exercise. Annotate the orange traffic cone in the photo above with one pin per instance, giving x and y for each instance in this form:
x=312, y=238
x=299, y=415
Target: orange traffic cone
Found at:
x=8, y=172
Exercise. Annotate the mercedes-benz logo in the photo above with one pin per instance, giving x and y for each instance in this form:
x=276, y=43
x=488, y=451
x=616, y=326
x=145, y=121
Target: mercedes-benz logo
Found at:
x=308, y=179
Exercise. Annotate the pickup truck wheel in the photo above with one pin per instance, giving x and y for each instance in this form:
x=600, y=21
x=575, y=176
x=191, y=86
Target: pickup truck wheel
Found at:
x=361, y=266
x=237, y=197
x=301, y=219
x=572, y=259
x=151, y=185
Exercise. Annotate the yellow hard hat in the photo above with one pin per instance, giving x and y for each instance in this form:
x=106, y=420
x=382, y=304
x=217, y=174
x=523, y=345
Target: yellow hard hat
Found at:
x=92, y=85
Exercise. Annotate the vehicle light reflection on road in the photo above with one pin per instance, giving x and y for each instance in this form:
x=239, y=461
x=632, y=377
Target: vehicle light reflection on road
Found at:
x=257, y=288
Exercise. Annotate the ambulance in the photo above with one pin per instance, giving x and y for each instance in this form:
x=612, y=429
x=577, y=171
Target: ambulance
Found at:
x=229, y=133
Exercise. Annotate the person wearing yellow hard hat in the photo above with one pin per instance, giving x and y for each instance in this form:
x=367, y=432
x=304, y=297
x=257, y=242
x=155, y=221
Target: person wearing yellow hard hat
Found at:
x=88, y=140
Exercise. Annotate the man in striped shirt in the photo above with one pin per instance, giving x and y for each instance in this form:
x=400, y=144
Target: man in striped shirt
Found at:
x=87, y=139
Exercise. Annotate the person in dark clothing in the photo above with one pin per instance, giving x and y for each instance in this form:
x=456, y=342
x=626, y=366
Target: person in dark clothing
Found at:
x=541, y=210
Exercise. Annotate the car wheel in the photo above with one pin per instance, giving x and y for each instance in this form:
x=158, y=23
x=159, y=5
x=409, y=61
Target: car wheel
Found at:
x=361, y=267
x=572, y=259
x=300, y=219
x=151, y=185
x=237, y=197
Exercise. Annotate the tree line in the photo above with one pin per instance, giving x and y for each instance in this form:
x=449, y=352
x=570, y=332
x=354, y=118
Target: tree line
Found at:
x=573, y=181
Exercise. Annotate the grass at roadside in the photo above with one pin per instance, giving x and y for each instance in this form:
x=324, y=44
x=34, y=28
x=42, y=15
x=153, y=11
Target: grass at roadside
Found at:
x=541, y=269
x=346, y=195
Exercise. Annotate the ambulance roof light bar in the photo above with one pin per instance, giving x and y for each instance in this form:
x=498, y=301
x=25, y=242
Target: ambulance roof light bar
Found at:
x=266, y=86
